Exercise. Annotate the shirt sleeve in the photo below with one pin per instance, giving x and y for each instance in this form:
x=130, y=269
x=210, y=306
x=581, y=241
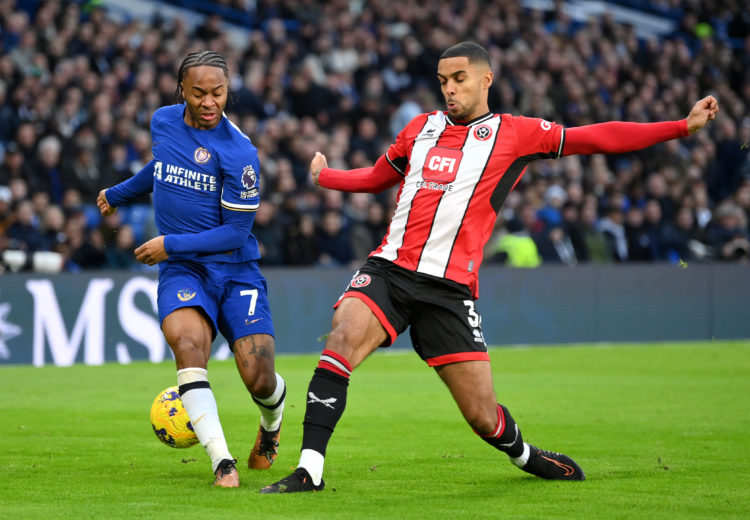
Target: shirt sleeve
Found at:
x=227, y=237
x=538, y=138
x=620, y=136
x=139, y=184
x=374, y=179
x=240, y=189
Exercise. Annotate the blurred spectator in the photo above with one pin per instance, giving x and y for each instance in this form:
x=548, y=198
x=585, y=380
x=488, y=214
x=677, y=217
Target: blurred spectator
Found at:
x=369, y=231
x=554, y=198
x=597, y=245
x=613, y=229
x=300, y=245
x=269, y=232
x=52, y=228
x=367, y=140
x=117, y=169
x=730, y=155
x=88, y=249
x=560, y=249
x=727, y=233
x=26, y=139
x=8, y=117
x=332, y=240
x=681, y=238
x=5, y=215
x=307, y=97
x=701, y=204
x=571, y=223
x=638, y=236
x=24, y=233
x=13, y=165
x=356, y=213
x=742, y=199
x=655, y=229
x=514, y=247
x=46, y=174
x=110, y=225
x=19, y=190
x=120, y=255
x=82, y=174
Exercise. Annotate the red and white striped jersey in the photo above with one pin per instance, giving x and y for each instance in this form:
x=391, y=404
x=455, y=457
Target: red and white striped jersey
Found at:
x=456, y=178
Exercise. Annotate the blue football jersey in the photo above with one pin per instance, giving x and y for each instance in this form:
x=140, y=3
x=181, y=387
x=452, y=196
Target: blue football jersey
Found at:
x=205, y=183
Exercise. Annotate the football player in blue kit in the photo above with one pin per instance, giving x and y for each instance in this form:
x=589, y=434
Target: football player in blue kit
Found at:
x=204, y=179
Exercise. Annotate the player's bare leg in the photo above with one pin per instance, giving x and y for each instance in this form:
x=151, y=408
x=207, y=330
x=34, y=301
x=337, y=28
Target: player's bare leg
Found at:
x=355, y=334
x=254, y=356
x=470, y=383
x=189, y=335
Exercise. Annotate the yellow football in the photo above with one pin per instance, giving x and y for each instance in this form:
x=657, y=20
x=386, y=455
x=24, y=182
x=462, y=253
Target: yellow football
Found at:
x=170, y=421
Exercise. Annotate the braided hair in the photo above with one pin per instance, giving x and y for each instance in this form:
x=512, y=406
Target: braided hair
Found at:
x=198, y=59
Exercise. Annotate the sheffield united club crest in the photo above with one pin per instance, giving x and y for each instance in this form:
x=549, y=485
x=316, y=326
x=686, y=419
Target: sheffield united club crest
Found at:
x=361, y=280
x=483, y=132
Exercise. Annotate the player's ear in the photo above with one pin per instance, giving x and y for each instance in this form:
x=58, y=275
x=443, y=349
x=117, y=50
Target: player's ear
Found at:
x=488, y=77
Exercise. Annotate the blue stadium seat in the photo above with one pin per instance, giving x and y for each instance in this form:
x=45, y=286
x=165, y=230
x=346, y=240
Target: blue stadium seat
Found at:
x=92, y=214
x=140, y=217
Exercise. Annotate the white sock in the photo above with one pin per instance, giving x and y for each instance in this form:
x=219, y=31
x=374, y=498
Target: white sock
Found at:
x=312, y=461
x=200, y=405
x=522, y=459
x=272, y=407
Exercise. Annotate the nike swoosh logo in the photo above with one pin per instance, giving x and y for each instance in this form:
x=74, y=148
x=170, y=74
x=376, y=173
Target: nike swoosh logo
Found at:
x=199, y=419
x=568, y=469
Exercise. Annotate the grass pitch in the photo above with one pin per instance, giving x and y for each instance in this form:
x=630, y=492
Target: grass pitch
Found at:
x=661, y=431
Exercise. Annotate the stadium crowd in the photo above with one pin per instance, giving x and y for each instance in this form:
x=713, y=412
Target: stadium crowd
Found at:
x=78, y=87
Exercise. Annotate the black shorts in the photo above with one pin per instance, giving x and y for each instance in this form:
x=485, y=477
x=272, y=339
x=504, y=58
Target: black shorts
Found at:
x=445, y=325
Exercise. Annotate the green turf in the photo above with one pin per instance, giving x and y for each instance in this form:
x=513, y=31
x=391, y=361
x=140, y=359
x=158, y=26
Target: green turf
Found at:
x=661, y=431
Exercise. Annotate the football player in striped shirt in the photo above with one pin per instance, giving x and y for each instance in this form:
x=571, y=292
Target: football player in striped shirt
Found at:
x=454, y=169
x=204, y=178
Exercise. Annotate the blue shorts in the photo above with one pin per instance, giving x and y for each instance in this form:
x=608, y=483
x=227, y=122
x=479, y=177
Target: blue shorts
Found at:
x=233, y=297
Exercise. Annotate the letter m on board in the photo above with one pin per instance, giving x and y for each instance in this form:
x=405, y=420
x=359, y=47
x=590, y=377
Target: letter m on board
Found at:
x=50, y=329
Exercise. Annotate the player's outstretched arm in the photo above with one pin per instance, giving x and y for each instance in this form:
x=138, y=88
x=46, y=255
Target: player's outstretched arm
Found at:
x=622, y=137
x=225, y=238
x=139, y=184
x=361, y=180
x=702, y=112
x=222, y=239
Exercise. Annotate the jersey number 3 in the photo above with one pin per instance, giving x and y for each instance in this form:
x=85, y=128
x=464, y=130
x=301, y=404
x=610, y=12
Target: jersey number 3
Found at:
x=473, y=318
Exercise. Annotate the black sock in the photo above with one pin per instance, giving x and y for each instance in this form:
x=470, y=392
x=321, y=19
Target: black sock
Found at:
x=507, y=437
x=326, y=400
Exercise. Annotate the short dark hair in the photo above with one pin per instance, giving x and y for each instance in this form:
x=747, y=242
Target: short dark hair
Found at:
x=198, y=59
x=475, y=52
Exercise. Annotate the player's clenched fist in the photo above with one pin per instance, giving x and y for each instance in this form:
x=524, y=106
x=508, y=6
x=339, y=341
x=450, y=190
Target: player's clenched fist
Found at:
x=318, y=163
x=104, y=208
x=703, y=111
